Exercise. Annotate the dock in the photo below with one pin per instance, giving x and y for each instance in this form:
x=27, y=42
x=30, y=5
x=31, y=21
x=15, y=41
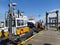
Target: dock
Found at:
x=46, y=37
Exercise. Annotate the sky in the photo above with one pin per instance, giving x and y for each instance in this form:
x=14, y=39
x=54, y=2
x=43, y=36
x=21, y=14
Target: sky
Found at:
x=30, y=7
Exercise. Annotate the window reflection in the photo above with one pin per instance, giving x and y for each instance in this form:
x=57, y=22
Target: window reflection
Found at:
x=20, y=22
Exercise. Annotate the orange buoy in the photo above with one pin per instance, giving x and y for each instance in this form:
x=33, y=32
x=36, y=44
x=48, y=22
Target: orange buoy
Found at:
x=22, y=32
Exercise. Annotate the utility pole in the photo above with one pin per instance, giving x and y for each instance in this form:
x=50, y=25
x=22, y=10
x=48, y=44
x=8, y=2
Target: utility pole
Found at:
x=39, y=18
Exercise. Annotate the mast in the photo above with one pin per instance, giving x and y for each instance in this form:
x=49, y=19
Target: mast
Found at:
x=10, y=16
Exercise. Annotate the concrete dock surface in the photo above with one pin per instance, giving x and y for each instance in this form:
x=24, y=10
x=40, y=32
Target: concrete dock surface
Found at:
x=47, y=37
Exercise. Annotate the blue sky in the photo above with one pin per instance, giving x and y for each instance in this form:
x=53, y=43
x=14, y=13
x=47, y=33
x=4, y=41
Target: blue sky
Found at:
x=30, y=7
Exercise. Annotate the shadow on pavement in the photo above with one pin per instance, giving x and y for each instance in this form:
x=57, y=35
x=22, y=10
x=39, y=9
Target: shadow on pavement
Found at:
x=29, y=44
x=46, y=44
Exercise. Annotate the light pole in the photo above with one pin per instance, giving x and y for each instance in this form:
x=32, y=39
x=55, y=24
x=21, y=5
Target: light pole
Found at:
x=39, y=17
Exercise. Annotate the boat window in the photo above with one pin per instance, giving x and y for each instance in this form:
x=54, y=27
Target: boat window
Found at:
x=20, y=22
x=6, y=23
x=25, y=22
x=13, y=23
